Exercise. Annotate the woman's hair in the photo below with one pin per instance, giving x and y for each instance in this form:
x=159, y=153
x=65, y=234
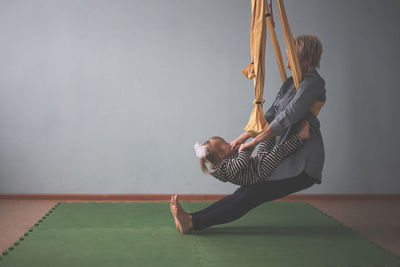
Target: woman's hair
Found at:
x=212, y=155
x=309, y=46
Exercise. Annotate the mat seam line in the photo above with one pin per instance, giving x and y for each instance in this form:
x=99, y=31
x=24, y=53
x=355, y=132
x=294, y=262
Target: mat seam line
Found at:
x=17, y=243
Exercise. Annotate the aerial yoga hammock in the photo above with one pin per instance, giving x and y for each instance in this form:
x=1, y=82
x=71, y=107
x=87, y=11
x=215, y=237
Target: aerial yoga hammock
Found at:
x=260, y=12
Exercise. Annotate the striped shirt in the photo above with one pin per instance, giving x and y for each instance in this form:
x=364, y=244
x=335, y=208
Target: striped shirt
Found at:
x=242, y=169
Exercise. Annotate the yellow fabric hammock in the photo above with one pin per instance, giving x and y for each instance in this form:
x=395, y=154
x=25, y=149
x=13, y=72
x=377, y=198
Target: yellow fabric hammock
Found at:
x=256, y=70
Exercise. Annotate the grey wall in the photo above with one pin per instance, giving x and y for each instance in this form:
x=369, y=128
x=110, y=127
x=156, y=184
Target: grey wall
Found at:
x=110, y=96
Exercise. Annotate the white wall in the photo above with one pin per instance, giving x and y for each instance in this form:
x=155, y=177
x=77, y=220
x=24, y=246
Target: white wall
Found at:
x=110, y=96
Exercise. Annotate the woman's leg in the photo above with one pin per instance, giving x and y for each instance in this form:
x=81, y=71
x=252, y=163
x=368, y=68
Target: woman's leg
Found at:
x=246, y=198
x=223, y=201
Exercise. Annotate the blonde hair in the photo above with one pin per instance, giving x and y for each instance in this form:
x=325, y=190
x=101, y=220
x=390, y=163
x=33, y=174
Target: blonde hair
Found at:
x=309, y=46
x=212, y=156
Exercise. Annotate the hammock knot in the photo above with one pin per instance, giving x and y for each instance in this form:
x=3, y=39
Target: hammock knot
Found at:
x=248, y=72
x=258, y=102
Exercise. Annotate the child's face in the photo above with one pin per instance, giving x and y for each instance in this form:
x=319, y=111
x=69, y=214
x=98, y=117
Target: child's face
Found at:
x=223, y=148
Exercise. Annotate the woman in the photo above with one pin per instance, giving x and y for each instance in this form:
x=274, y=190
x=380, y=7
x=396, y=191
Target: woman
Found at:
x=299, y=171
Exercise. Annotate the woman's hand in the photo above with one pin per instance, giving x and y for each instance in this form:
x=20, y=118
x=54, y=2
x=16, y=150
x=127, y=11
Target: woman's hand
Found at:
x=235, y=144
x=250, y=145
x=240, y=140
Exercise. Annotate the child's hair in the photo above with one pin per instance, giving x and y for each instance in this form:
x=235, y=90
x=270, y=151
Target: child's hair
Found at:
x=212, y=155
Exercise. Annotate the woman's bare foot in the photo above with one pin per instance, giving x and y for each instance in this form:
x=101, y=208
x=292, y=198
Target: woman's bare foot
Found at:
x=183, y=220
x=171, y=206
x=304, y=133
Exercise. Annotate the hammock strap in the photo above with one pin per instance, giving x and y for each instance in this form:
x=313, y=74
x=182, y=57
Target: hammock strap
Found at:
x=275, y=43
x=292, y=54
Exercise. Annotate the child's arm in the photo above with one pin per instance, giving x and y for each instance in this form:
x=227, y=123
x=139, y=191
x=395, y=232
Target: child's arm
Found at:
x=249, y=176
x=235, y=165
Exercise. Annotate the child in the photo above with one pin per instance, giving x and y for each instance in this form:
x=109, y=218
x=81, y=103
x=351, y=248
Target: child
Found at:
x=242, y=169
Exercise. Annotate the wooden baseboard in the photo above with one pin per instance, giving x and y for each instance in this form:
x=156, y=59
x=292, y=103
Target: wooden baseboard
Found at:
x=190, y=197
x=114, y=197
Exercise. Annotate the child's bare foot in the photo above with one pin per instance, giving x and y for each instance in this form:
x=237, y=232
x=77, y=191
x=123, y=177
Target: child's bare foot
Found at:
x=182, y=219
x=304, y=133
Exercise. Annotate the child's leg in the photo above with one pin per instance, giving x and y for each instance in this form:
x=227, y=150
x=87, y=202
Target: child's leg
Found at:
x=269, y=161
x=266, y=146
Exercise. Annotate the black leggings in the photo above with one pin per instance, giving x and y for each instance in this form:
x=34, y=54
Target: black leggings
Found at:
x=245, y=198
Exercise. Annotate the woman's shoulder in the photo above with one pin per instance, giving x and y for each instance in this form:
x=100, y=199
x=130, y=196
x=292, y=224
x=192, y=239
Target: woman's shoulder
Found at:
x=313, y=82
x=314, y=77
x=309, y=78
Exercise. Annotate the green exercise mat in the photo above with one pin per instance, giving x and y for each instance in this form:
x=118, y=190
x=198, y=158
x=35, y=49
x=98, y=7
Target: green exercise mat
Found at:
x=144, y=234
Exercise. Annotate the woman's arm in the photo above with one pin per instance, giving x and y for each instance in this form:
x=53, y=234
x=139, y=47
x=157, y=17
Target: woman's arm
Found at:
x=240, y=140
x=309, y=91
x=267, y=133
x=269, y=116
